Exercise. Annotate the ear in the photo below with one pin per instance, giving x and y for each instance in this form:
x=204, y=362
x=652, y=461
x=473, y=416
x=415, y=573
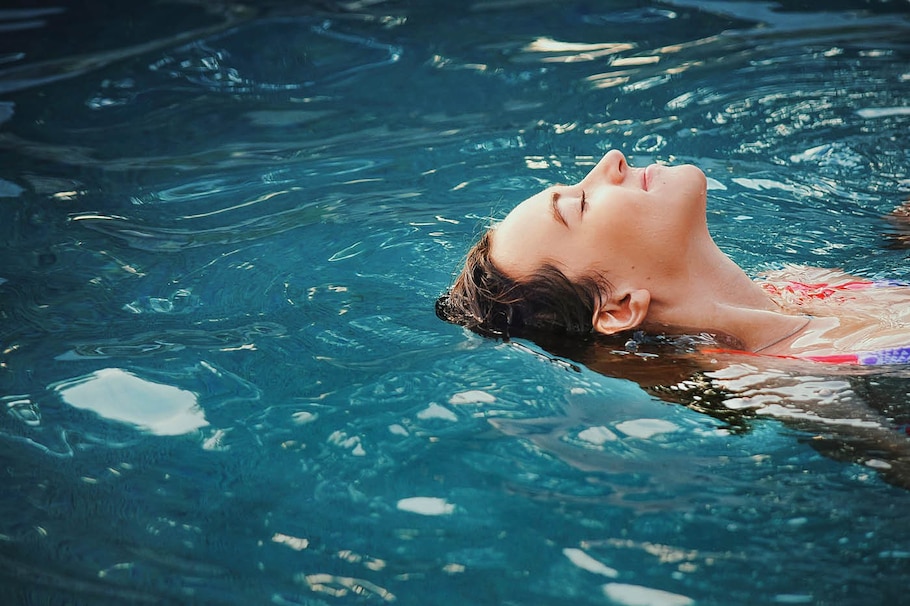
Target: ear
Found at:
x=622, y=314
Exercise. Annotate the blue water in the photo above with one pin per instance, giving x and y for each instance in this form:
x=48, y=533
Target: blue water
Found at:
x=223, y=231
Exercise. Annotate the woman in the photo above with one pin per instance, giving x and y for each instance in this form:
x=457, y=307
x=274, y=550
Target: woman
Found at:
x=629, y=249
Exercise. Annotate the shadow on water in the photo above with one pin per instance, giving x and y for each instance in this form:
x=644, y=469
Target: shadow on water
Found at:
x=847, y=413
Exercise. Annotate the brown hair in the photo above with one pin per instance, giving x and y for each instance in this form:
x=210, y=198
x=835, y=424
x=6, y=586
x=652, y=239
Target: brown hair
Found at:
x=488, y=301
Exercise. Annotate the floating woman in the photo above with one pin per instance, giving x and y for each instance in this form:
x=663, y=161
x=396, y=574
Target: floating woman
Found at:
x=628, y=249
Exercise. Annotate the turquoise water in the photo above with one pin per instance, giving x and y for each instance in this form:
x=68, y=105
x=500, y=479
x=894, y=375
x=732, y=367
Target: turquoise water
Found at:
x=223, y=232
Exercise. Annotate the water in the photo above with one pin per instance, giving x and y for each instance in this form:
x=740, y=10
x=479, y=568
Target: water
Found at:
x=223, y=233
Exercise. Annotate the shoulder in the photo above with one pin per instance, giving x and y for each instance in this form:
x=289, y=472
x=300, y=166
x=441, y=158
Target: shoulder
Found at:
x=823, y=291
x=815, y=276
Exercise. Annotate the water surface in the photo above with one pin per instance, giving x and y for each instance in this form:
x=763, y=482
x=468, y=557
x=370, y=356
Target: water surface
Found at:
x=223, y=231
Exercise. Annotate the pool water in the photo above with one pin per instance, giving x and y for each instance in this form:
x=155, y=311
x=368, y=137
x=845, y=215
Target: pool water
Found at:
x=223, y=230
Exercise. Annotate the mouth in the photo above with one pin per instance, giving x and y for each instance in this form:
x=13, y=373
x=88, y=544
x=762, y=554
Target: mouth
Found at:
x=644, y=177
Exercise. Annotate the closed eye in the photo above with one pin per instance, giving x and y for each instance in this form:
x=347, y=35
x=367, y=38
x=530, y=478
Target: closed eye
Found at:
x=554, y=209
x=584, y=203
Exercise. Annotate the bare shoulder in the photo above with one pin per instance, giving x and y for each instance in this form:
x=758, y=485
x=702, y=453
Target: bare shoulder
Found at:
x=807, y=275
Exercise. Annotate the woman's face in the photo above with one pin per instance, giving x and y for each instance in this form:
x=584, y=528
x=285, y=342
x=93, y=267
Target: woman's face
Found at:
x=619, y=221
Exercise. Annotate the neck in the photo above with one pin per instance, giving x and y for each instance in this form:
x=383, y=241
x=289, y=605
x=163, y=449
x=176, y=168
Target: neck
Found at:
x=713, y=294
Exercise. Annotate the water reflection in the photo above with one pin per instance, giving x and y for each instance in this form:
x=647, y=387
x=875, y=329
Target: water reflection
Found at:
x=31, y=75
x=167, y=239
x=548, y=50
x=165, y=341
x=845, y=413
x=339, y=586
x=321, y=54
x=122, y=396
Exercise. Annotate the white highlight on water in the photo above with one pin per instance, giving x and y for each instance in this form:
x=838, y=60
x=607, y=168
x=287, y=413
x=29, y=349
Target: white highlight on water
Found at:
x=646, y=428
x=474, y=396
x=597, y=435
x=119, y=395
x=426, y=506
x=435, y=411
x=636, y=595
x=883, y=112
x=586, y=562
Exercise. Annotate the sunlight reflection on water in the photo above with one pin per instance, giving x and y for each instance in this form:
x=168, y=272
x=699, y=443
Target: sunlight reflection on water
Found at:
x=122, y=396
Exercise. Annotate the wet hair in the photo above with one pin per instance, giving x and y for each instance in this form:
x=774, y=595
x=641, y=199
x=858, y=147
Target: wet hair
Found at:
x=488, y=301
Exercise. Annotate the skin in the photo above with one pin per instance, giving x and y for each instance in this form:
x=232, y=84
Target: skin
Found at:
x=645, y=230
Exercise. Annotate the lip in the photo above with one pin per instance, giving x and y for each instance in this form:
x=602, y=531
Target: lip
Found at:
x=648, y=175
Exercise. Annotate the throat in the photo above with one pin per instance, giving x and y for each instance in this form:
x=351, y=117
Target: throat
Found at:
x=710, y=292
x=717, y=280
x=722, y=299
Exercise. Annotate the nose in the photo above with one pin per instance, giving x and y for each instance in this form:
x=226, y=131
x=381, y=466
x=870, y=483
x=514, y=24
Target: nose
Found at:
x=612, y=168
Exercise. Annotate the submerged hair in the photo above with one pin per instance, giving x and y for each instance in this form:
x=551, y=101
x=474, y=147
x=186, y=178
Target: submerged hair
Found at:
x=488, y=301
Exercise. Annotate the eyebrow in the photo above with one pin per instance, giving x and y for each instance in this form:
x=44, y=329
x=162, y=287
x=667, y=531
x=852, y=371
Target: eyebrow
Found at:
x=554, y=208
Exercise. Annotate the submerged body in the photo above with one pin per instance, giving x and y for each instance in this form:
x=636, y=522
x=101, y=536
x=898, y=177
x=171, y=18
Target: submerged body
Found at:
x=852, y=320
x=632, y=244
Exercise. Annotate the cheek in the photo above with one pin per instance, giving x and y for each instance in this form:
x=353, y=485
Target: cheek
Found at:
x=649, y=235
x=578, y=256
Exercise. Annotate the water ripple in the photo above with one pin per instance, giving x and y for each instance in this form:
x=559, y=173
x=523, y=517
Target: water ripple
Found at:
x=168, y=239
x=164, y=341
x=234, y=66
x=30, y=75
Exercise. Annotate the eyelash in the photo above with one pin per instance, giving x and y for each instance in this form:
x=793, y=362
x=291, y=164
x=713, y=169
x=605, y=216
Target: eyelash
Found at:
x=584, y=202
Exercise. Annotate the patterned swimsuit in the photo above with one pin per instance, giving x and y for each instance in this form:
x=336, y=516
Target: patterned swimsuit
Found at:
x=805, y=292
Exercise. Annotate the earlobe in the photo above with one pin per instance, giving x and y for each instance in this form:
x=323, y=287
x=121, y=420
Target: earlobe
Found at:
x=623, y=314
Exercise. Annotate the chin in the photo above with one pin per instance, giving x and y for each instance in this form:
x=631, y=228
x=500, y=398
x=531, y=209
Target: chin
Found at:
x=692, y=187
x=690, y=182
x=694, y=174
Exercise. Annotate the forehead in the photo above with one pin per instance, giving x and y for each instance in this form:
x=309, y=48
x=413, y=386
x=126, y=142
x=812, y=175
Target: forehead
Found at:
x=531, y=209
x=519, y=241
